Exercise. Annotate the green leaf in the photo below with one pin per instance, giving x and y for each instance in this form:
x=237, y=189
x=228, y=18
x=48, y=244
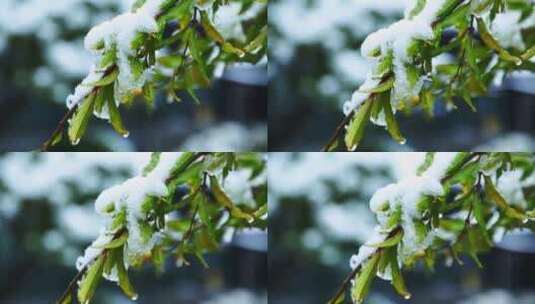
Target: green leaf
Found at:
x=154, y=160
x=210, y=30
x=382, y=87
x=106, y=80
x=391, y=122
x=79, y=122
x=124, y=281
x=229, y=48
x=171, y=61
x=108, y=58
x=391, y=241
x=118, y=242
x=468, y=100
x=66, y=300
x=528, y=54
x=355, y=130
x=478, y=209
x=194, y=96
x=56, y=139
x=115, y=118
x=493, y=195
x=397, y=278
x=364, y=279
x=224, y=200
x=90, y=281
x=473, y=246
x=491, y=42
x=428, y=161
x=158, y=258
x=258, y=42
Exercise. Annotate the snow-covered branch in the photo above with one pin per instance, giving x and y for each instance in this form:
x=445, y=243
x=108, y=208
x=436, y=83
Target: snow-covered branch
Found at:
x=176, y=45
x=490, y=39
x=457, y=204
x=179, y=206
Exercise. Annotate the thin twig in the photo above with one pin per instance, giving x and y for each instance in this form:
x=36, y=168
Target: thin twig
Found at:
x=63, y=122
x=338, y=131
x=352, y=274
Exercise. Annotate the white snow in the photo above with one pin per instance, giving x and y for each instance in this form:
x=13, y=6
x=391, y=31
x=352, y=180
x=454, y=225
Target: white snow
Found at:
x=94, y=250
x=506, y=29
x=406, y=196
x=510, y=186
x=84, y=88
x=396, y=39
x=119, y=33
x=130, y=196
x=366, y=250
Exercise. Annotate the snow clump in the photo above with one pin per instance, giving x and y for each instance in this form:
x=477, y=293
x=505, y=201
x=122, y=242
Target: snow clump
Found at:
x=392, y=46
x=403, y=205
x=130, y=197
x=116, y=37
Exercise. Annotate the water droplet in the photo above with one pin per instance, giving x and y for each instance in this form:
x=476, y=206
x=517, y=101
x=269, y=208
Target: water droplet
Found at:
x=353, y=148
x=403, y=141
x=525, y=221
x=125, y=135
x=407, y=297
x=134, y=297
x=76, y=141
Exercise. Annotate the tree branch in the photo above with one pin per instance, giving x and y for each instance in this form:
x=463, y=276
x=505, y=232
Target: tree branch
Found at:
x=63, y=122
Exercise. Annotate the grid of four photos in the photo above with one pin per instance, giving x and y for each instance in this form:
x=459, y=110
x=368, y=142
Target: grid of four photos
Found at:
x=267, y=151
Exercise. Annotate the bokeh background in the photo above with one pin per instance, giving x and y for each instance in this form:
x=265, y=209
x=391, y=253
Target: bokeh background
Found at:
x=42, y=59
x=47, y=219
x=319, y=216
x=315, y=65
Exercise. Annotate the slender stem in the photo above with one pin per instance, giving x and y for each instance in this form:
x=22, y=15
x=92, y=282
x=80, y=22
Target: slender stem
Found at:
x=348, y=118
x=59, y=129
x=352, y=274
x=63, y=122
x=72, y=285
x=338, y=131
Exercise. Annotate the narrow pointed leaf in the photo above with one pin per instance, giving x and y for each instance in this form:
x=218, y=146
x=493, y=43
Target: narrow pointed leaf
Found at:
x=224, y=200
x=391, y=122
x=124, y=281
x=491, y=42
x=397, y=279
x=498, y=199
x=355, y=129
x=364, y=279
x=392, y=241
x=79, y=122
x=108, y=79
x=90, y=281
